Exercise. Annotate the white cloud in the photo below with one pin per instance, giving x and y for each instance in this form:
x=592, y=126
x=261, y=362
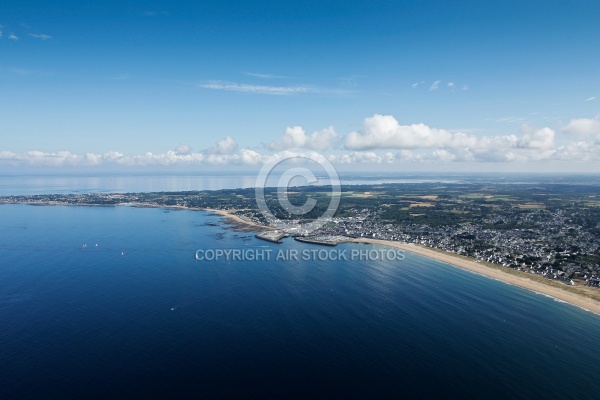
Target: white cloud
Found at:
x=257, y=89
x=443, y=155
x=591, y=98
x=222, y=149
x=250, y=157
x=540, y=139
x=56, y=159
x=166, y=159
x=409, y=155
x=578, y=152
x=296, y=137
x=183, y=149
x=41, y=36
x=362, y=157
x=323, y=139
x=12, y=36
x=583, y=126
x=182, y=155
x=7, y=155
x=226, y=146
x=384, y=132
x=435, y=85
x=293, y=137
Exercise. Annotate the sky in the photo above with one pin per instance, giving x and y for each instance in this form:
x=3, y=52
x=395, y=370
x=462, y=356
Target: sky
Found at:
x=372, y=85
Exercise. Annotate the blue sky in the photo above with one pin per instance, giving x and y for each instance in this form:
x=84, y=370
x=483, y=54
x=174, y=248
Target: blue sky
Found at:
x=465, y=85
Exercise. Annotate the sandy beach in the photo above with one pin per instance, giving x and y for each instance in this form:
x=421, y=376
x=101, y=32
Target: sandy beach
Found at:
x=240, y=222
x=566, y=294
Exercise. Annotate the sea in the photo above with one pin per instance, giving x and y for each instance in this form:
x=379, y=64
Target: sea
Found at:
x=111, y=302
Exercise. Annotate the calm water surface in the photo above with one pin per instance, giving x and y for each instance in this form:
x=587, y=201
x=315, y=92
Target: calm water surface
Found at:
x=138, y=316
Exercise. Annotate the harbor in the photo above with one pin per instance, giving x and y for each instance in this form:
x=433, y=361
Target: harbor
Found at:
x=272, y=236
x=323, y=240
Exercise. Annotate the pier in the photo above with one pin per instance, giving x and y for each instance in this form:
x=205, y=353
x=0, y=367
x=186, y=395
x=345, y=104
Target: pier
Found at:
x=271, y=236
x=324, y=240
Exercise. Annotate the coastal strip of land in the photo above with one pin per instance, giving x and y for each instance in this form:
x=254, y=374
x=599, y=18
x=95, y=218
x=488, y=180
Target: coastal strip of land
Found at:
x=566, y=294
x=240, y=223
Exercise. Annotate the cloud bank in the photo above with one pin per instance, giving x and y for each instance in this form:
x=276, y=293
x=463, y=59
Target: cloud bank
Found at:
x=383, y=140
x=384, y=132
x=584, y=127
x=296, y=137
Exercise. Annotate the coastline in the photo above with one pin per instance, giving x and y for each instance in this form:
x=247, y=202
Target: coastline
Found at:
x=564, y=294
x=516, y=278
x=552, y=289
x=241, y=223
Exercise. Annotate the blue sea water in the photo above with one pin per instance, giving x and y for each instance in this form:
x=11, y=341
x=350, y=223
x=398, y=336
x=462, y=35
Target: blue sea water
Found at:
x=120, y=183
x=138, y=316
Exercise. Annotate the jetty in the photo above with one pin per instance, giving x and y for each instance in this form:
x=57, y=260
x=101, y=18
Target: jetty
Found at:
x=324, y=240
x=272, y=236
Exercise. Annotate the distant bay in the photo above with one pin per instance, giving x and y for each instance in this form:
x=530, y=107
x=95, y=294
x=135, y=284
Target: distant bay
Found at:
x=126, y=183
